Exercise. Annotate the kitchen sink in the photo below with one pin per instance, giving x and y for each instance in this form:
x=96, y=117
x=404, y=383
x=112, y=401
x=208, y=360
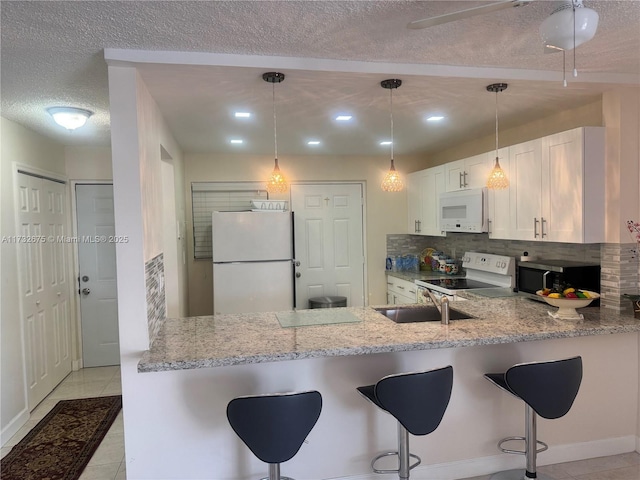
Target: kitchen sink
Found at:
x=427, y=313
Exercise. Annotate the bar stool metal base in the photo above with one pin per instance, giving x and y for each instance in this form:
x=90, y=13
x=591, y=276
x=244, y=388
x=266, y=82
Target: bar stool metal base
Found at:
x=388, y=454
x=518, y=474
x=274, y=473
x=403, y=455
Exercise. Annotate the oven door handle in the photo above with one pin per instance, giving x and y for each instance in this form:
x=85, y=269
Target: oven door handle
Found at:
x=544, y=279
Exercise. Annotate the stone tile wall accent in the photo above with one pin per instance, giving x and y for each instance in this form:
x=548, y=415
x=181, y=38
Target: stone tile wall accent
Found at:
x=156, y=305
x=455, y=244
x=620, y=263
x=619, y=274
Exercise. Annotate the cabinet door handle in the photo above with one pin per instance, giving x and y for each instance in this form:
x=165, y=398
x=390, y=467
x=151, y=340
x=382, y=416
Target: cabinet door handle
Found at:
x=419, y=226
x=400, y=287
x=412, y=291
x=389, y=283
x=542, y=222
x=535, y=228
x=489, y=226
x=464, y=179
x=460, y=180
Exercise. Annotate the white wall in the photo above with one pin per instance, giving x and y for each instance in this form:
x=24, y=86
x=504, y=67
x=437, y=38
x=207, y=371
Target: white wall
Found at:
x=30, y=149
x=88, y=163
x=385, y=212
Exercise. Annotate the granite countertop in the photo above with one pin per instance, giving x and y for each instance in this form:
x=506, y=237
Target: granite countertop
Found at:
x=235, y=339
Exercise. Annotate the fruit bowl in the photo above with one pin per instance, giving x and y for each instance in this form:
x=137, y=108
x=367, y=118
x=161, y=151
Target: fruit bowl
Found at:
x=567, y=306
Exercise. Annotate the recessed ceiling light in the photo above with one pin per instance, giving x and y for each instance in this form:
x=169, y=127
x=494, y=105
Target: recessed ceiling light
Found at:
x=434, y=118
x=236, y=141
x=313, y=142
x=344, y=118
x=242, y=114
x=386, y=142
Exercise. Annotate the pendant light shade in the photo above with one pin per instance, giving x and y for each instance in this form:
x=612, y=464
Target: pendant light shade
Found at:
x=497, y=178
x=392, y=181
x=277, y=182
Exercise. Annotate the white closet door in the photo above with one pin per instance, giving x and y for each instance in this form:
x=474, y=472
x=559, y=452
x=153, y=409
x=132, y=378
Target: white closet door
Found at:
x=44, y=284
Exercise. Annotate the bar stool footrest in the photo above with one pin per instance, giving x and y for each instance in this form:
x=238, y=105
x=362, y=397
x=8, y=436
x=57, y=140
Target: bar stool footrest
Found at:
x=388, y=454
x=519, y=452
x=281, y=478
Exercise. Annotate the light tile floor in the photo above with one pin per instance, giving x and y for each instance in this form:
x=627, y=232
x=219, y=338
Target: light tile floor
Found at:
x=108, y=461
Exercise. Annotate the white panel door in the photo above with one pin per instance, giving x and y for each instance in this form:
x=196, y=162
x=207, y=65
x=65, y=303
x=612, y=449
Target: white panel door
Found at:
x=97, y=272
x=328, y=230
x=44, y=284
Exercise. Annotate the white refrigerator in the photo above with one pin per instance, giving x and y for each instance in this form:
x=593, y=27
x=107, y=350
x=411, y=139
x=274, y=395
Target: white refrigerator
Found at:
x=252, y=262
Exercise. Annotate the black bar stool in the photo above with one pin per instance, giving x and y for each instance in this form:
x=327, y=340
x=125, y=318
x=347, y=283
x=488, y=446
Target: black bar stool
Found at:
x=547, y=389
x=275, y=426
x=418, y=402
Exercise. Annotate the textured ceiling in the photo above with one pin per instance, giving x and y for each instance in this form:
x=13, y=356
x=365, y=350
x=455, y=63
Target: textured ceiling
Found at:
x=52, y=53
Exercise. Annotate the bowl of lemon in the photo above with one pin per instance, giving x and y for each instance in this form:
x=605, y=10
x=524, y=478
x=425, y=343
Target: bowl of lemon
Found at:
x=567, y=300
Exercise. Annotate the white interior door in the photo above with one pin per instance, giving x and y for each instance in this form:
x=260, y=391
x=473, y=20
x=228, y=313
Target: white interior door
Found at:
x=328, y=231
x=44, y=283
x=97, y=272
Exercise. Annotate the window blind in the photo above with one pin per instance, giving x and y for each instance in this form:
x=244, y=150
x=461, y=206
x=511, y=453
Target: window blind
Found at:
x=209, y=197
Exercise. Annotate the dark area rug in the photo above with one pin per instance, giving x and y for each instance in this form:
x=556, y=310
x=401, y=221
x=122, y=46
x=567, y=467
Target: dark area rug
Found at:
x=60, y=446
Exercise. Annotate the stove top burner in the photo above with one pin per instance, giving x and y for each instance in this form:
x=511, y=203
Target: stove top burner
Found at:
x=458, y=283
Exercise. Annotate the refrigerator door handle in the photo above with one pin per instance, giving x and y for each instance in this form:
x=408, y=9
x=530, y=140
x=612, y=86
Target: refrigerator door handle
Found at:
x=296, y=263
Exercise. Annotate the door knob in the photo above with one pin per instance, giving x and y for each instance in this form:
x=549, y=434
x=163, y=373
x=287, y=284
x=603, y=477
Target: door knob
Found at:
x=298, y=274
x=86, y=291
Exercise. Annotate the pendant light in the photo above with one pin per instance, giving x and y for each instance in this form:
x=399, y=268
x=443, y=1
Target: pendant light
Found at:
x=277, y=182
x=497, y=178
x=392, y=181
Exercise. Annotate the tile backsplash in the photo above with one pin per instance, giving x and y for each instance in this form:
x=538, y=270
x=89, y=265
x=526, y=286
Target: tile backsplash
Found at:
x=156, y=306
x=619, y=262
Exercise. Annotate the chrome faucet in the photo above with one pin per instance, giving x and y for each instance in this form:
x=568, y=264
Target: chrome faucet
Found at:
x=442, y=306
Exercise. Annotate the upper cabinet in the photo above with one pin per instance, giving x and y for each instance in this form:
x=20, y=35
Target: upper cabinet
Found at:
x=423, y=190
x=467, y=173
x=556, y=191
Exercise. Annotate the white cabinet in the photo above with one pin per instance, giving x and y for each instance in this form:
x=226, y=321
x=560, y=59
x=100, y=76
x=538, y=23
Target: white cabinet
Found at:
x=467, y=173
x=499, y=219
x=423, y=191
x=556, y=189
x=400, y=291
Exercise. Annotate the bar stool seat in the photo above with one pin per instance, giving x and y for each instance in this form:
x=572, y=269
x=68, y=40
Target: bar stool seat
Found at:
x=418, y=402
x=275, y=426
x=548, y=389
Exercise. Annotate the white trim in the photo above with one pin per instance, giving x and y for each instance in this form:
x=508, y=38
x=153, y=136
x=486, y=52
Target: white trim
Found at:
x=128, y=57
x=13, y=426
x=496, y=463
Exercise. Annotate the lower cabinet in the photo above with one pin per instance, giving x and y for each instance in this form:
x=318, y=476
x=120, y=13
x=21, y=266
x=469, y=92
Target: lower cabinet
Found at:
x=400, y=292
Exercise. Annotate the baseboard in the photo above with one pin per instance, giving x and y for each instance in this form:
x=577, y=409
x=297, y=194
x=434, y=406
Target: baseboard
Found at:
x=638, y=444
x=76, y=365
x=13, y=426
x=495, y=463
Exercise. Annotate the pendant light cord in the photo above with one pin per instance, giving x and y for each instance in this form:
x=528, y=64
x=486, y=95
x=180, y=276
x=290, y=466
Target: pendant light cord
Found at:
x=496, y=124
x=575, y=72
x=275, y=124
x=391, y=115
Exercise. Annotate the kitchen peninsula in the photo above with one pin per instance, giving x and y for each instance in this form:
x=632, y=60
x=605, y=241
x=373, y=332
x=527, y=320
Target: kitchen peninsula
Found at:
x=253, y=354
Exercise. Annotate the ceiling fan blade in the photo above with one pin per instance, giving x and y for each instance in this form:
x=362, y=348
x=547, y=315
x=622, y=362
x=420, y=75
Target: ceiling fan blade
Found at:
x=469, y=12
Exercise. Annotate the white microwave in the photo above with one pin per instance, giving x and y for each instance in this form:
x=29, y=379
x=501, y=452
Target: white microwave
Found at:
x=464, y=211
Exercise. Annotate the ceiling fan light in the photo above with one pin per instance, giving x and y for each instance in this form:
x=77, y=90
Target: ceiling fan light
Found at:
x=69, y=117
x=557, y=29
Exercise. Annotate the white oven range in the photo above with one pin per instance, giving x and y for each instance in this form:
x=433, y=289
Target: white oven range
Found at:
x=485, y=271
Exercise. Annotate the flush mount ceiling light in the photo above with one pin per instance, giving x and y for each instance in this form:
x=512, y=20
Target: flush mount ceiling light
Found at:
x=497, y=178
x=569, y=26
x=69, y=117
x=392, y=181
x=344, y=118
x=242, y=115
x=435, y=118
x=277, y=182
